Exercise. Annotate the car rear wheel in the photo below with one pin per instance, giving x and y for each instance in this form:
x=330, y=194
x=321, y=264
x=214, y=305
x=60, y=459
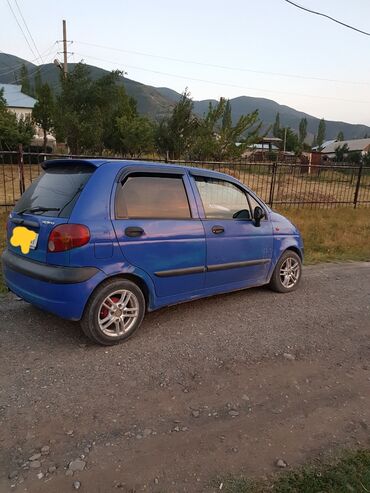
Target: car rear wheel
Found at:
x=114, y=311
x=287, y=273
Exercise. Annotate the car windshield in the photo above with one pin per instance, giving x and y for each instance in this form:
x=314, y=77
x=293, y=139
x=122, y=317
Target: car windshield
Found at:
x=55, y=192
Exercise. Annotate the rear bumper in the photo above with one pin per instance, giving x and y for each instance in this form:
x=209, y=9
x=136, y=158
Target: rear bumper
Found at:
x=47, y=273
x=63, y=291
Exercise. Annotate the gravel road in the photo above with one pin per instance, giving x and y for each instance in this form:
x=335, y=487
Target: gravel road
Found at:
x=224, y=385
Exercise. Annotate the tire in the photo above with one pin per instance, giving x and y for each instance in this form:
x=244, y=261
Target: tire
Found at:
x=291, y=262
x=114, y=311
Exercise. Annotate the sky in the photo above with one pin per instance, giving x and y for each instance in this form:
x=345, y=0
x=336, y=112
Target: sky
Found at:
x=264, y=48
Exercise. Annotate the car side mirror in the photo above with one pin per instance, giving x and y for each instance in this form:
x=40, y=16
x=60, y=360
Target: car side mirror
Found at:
x=258, y=215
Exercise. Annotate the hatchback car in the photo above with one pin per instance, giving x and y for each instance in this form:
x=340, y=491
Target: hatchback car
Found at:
x=110, y=240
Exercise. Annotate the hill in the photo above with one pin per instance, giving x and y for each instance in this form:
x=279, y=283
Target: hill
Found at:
x=267, y=108
x=157, y=102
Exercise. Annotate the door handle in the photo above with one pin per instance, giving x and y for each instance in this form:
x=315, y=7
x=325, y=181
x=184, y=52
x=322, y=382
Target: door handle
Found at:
x=217, y=230
x=134, y=231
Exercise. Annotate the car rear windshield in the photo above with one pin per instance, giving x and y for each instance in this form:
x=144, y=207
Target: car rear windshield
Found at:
x=55, y=192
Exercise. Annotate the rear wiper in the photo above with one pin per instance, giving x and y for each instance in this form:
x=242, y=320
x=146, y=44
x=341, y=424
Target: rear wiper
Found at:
x=31, y=210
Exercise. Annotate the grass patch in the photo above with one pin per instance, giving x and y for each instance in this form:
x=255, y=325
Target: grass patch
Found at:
x=349, y=473
x=333, y=234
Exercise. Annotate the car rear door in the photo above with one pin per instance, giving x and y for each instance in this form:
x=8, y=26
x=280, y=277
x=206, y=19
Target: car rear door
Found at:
x=158, y=229
x=237, y=250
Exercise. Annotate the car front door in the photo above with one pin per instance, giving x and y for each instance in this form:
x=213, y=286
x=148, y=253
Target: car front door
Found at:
x=159, y=231
x=238, y=251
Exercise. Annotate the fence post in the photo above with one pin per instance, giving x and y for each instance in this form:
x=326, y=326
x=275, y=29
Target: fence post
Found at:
x=357, y=190
x=272, y=186
x=22, y=186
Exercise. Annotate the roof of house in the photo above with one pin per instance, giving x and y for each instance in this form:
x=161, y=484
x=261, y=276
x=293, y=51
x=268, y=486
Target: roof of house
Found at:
x=353, y=145
x=15, y=98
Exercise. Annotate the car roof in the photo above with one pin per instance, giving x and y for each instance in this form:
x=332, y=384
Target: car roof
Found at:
x=119, y=163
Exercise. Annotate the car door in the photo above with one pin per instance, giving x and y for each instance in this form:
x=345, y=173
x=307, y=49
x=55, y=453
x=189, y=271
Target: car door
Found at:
x=238, y=251
x=159, y=231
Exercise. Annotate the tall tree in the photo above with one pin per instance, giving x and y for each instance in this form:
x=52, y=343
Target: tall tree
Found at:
x=175, y=134
x=25, y=80
x=302, y=130
x=321, y=131
x=43, y=111
x=340, y=136
x=276, y=126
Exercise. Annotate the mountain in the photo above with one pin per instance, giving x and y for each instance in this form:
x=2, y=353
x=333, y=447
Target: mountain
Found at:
x=157, y=102
x=267, y=109
x=149, y=101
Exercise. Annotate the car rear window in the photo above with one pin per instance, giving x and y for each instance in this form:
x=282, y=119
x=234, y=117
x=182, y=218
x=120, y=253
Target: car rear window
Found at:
x=58, y=187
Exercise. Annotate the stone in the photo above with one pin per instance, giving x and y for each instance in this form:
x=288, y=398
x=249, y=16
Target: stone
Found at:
x=35, y=464
x=156, y=480
x=147, y=432
x=281, y=463
x=52, y=469
x=69, y=472
x=289, y=356
x=233, y=413
x=77, y=465
x=13, y=475
x=40, y=475
x=195, y=413
x=77, y=485
x=34, y=457
x=45, y=450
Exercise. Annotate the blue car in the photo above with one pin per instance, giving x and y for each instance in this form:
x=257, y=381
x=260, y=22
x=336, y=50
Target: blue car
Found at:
x=103, y=241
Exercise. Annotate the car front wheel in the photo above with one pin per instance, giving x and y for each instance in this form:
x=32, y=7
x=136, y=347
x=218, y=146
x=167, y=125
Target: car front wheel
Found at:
x=114, y=311
x=287, y=273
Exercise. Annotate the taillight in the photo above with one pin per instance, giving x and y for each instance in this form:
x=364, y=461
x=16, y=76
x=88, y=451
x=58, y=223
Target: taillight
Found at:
x=68, y=236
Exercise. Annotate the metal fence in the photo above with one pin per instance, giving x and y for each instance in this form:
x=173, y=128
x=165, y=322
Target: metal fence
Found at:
x=278, y=184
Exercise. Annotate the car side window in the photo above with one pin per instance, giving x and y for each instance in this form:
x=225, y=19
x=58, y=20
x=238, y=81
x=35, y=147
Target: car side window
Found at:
x=152, y=197
x=222, y=199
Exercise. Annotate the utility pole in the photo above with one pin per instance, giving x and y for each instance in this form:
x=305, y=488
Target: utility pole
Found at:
x=65, y=64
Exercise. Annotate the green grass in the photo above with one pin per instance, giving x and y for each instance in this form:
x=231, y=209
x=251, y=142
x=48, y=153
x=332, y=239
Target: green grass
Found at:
x=337, y=234
x=348, y=474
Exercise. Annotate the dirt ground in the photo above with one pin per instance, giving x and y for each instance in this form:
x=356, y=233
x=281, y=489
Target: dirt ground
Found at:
x=220, y=386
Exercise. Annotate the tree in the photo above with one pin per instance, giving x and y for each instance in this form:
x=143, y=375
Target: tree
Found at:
x=136, y=135
x=291, y=140
x=43, y=111
x=341, y=152
x=216, y=137
x=12, y=131
x=302, y=130
x=25, y=81
x=321, y=133
x=175, y=134
x=276, y=126
x=340, y=136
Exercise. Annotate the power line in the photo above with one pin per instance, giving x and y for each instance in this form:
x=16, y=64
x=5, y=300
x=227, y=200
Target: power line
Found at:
x=29, y=32
x=224, y=67
x=20, y=27
x=227, y=84
x=327, y=16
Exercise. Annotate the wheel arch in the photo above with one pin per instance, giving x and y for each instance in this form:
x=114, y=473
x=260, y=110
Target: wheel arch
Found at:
x=293, y=249
x=139, y=281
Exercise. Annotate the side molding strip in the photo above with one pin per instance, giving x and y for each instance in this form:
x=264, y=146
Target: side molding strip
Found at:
x=210, y=268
